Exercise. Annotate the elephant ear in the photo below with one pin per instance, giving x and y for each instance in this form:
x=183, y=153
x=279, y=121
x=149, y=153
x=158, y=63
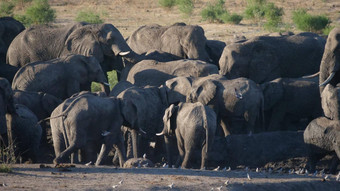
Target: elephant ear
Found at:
x=204, y=92
x=169, y=119
x=83, y=41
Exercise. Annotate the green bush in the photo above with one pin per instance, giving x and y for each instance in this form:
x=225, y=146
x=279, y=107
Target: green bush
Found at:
x=307, y=22
x=327, y=30
x=40, y=12
x=113, y=80
x=233, y=18
x=255, y=9
x=5, y=168
x=89, y=17
x=167, y=3
x=185, y=6
x=6, y=9
x=273, y=15
x=213, y=12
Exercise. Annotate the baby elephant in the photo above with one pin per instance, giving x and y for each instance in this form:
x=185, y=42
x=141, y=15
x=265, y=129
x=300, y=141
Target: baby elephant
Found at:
x=322, y=136
x=194, y=126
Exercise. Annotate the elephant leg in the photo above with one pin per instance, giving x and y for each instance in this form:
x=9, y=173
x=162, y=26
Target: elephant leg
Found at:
x=134, y=140
x=334, y=164
x=63, y=156
x=188, y=154
x=168, y=150
x=181, y=152
x=224, y=127
x=277, y=117
x=312, y=160
x=204, y=156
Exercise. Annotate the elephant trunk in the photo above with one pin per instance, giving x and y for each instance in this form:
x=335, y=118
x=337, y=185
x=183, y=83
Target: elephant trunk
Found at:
x=329, y=78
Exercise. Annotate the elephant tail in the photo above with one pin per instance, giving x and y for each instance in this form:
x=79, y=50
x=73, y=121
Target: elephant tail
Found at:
x=206, y=127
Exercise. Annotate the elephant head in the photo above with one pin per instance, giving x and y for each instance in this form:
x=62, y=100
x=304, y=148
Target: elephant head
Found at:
x=169, y=120
x=102, y=41
x=253, y=59
x=272, y=92
x=330, y=100
x=330, y=63
x=177, y=89
x=203, y=92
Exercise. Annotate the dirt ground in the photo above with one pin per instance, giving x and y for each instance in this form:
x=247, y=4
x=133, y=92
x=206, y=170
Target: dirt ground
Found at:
x=127, y=16
x=81, y=177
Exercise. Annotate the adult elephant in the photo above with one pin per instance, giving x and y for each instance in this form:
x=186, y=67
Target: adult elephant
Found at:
x=9, y=29
x=330, y=63
x=330, y=100
x=102, y=41
x=266, y=58
x=288, y=100
x=238, y=103
x=185, y=41
x=154, y=73
x=74, y=129
x=60, y=77
x=215, y=49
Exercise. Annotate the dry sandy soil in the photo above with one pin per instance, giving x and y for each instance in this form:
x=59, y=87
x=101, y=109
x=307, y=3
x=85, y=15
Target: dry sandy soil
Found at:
x=127, y=16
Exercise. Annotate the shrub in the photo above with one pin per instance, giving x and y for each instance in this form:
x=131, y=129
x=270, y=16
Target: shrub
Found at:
x=307, y=22
x=255, y=9
x=40, y=12
x=327, y=30
x=89, y=17
x=233, y=18
x=6, y=9
x=167, y=3
x=5, y=168
x=273, y=15
x=185, y=6
x=213, y=12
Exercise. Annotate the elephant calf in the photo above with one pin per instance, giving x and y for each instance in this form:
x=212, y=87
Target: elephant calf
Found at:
x=194, y=126
x=323, y=137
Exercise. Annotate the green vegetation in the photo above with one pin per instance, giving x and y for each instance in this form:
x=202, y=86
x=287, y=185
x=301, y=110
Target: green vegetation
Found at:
x=217, y=13
x=308, y=22
x=89, y=17
x=167, y=3
x=113, y=80
x=6, y=9
x=273, y=15
x=39, y=12
x=5, y=168
x=185, y=6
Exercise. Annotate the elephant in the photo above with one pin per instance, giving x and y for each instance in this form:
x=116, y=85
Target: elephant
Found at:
x=24, y=133
x=330, y=102
x=154, y=73
x=238, y=103
x=6, y=106
x=60, y=77
x=9, y=29
x=289, y=99
x=192, y=125
x=265, y=58
x=103, y=41
x=84, y=121
x=329, y=67
x=143, y=109
x=179, y=39
x=322, y=136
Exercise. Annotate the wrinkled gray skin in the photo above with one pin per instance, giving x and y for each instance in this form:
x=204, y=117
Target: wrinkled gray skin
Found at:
x=9, y=29
x=74, y=129
x=193, y=126
x=330, y=63
x=322, y=136
x=60, y=77
x=143, y=109
x=238, y=103
x=42, y=43
x=330, y=101
x=185, y=41
x=266, y=58
x=215, y=49
x=24, y=132
x=6, y=106
x=291, y=99
x=153, y=73
x=258, y=149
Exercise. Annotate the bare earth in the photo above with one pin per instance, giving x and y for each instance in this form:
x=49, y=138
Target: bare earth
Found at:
x=127, y=16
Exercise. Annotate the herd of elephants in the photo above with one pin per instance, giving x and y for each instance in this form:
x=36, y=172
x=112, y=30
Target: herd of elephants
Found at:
x=182, y=99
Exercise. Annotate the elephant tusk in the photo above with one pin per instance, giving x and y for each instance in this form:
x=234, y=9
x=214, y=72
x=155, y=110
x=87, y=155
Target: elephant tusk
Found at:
x=124, y=53
x=106, y=84
x=141, y=130
x=330, y=77
x=312, y=75
x=159, y=134
x=106, y=133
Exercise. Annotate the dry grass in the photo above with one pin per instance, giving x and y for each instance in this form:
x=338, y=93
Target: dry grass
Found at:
x=128, y=15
